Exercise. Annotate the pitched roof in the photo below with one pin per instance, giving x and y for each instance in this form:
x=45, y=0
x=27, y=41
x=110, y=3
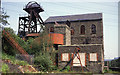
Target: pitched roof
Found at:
x=92, y=16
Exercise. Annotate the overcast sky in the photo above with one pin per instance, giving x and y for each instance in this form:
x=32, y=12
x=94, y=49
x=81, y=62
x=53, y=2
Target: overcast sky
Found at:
x=61, y=0
x=108, y=8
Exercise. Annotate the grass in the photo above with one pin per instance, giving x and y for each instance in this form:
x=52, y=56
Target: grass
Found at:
x=5, y=68
x=110, y=71
x=13, y=60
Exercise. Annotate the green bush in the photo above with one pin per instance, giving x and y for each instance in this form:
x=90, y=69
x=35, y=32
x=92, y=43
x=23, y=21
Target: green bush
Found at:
x=40, y=44
x=5, y=56
x=5, y=68
x=13, y=60
x=110, y=71
x=7, y=48
x=43, y=62
x=10, y=30
x=67, y=69
x=18, y=62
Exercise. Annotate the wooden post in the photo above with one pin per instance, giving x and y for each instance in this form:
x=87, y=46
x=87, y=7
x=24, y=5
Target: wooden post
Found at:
x=107, y=65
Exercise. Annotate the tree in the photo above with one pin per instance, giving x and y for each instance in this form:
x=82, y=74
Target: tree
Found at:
x=41, y=44
x=4, y=17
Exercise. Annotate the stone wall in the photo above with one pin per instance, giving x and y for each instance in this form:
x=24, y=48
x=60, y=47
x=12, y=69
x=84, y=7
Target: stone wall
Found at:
x=92, y=66
x=78, y=38
x=88, y=43
x=48, y=26
x=68, y=36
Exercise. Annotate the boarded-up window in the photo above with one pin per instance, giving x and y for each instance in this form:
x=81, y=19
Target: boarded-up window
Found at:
x=76, y=61
x=65, y=57
x=93, y=57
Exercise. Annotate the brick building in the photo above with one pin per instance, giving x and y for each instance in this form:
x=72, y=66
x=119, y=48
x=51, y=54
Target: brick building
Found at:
x=84, y=31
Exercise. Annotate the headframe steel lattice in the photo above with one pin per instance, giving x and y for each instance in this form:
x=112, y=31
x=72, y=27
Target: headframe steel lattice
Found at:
x=30, y=23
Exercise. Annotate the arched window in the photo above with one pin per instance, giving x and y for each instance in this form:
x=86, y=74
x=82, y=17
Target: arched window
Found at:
x=82, y=28
x=72, y=31
x=51, y=30
x=93, y=29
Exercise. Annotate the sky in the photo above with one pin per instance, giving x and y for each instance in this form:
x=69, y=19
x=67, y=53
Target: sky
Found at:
x=55, y=8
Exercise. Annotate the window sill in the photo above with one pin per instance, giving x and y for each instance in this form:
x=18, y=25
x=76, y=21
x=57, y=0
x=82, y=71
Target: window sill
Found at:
x=93, y=34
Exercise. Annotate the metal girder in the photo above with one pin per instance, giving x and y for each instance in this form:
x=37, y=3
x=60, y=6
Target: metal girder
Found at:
x=30, y=23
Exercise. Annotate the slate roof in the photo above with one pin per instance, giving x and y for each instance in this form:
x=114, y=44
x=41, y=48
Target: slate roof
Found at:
x=92, y=16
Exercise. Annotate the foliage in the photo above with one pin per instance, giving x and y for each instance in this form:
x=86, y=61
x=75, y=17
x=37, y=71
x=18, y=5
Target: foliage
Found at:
x=5, y=68
x=8, y=48
x=40, y=44
x=13, y=59
x=3, y=18
x=110, y=71
x=23, y=63
x=43, y=62
x=39, y=47
x=67, y=69
x=10, y=30
x=21, y=42
x=42, y=48
x=115, y=63
x=5, y=56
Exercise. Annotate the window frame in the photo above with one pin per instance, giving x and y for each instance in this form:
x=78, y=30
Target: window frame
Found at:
x=92, y=57
x=93, y=29
x=51, y=29
x=67, y=58
x=72, y=31
x=78, y=64
x=82, y=29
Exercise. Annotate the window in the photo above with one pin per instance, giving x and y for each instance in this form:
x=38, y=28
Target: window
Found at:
x=51, y=30
x=76, y=61
x=65, y=57
x=93, y=57
x=82, y=28
x=93, y=29
x=72, y=31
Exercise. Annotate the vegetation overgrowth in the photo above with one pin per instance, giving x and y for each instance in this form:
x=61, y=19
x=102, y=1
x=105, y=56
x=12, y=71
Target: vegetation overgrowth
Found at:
x=41, y=47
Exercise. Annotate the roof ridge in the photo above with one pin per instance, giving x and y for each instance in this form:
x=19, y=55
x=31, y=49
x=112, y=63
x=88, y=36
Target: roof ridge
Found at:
x=77, y=14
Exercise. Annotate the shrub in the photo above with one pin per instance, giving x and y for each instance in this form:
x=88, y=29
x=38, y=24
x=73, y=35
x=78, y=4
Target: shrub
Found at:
x=5, y=56
x=18, y=62
x=7, y=48
x=67, y=69
x=43, y=62
x=5, y=68
x=41, y=44
x=13, y=60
